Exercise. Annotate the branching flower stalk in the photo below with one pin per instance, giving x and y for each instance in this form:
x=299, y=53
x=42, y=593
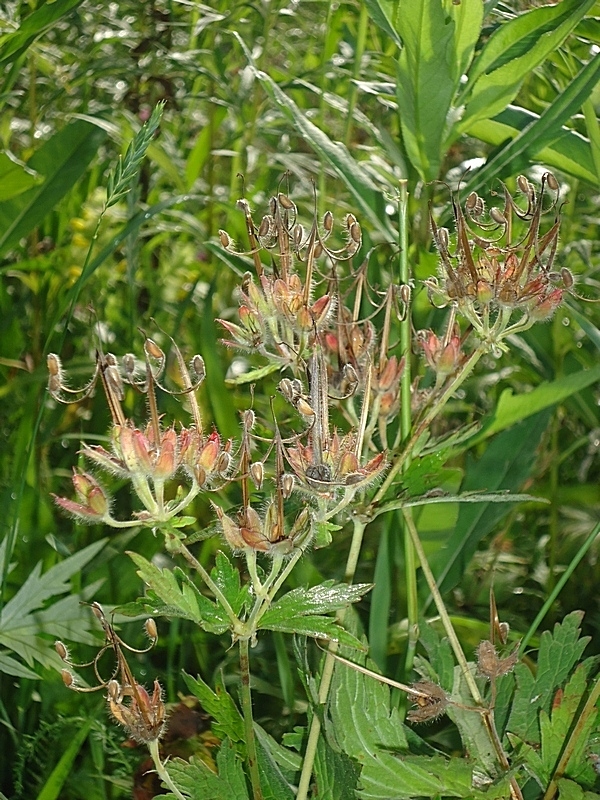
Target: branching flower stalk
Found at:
x=342, y=385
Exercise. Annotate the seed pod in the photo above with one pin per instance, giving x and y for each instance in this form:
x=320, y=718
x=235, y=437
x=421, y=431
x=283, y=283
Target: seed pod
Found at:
x=355, y=232
x=567, y=278
x=225, y=239
x=198, y=368
x=153, y=350
x=249, y=419
x=298, y=235
x=223, y=464
x=304, y=408
x=257, y=473
x=113, y=690
x=523, y=184
x=328, y=222
x=55, y=377
x=497, y=216
x=443, y=238
x=471, y=201
x=151, y=629
x=285, y=201
x=265, y=227
x=552, y=182
x=68, y=678
x=62, y=651
x=349, y=221
x=98, y=612
x=350, y=374
x=286, y=389
x=128, y=363
x=287, y=485
x=318, y=249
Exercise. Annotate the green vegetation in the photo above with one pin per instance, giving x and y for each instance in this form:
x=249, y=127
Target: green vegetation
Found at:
x=300, y=403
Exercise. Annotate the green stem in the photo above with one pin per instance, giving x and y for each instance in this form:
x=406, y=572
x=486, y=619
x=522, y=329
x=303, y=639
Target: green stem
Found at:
x=179, y=547
x=410, y=562
x=487, y=713
x=361, y=38
x=407, y=452
x=161, y=770
x=327, y=675
x=248, y=722
x=445, y=618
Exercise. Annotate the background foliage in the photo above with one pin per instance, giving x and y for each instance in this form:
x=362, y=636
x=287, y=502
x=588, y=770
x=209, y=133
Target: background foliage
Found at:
x=354, y=96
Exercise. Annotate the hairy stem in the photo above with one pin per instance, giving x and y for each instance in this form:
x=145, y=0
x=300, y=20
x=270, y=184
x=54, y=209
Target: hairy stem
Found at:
x=248, y=721
x=161, y=770
x=324, y=686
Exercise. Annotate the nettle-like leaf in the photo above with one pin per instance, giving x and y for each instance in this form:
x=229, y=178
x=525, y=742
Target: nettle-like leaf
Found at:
x=301, y=611
x=199, y=782
x=178, y=599
x=27, y=628
x=220, y=705
x=558, y=653
x=556, y=728
x=227, y=578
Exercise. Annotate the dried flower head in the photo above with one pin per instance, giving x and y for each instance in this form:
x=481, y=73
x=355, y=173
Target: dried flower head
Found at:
x=501, y=262
x=141, y=714
x=430, y=701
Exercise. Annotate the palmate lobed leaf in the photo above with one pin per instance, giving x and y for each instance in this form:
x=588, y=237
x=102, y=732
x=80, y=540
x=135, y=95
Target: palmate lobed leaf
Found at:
x=559, y=651
x=315, y=626
x=219, y=705
x=227, y=578
x=181, y=600
x=199, y=782
x=322, y=599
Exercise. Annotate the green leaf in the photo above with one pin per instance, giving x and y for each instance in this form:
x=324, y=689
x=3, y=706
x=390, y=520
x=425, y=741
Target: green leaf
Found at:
x=273, y=782
x=219, y=705
x=570, y=152
x=15, y=177
x=556, y=727
x=60, y=161
x=61, y=772
x=28, y=624
x=11, y=666
x=184, y=600
x=511, y=53
x=323, y=533
x=505, y=465
x=336, y=774
x=227, y=578
x=516, y=38
x=473, y=732
x=326, y=597
x=201, y=151
x=513, y=408
x=421, y=776
x=543, y=131
x=385, y=13
x=315, y=626
x=34, y=24
x=425, y=81
x=558, y=653
x=367, y=197
x=199, y=782
x=468, y=19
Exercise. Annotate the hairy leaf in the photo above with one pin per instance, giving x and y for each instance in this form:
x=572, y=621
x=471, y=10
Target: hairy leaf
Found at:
x=219, y=704
x=559, y=651
x=182, y=600
x=199, y=782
